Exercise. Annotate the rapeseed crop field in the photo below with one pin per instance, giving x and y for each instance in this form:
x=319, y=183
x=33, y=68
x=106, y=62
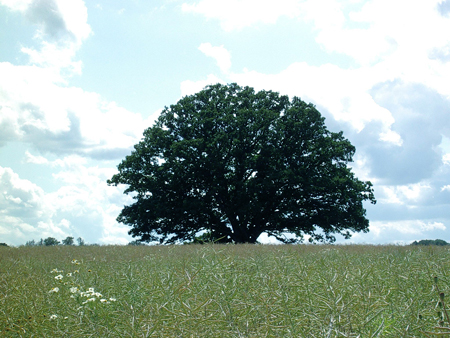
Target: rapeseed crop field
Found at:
x=224, y=291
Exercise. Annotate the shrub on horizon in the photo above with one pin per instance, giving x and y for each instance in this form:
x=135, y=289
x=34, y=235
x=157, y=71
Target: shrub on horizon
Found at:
x=50, y=241
x=136, y=242
x=68, y=241
x=439, y=242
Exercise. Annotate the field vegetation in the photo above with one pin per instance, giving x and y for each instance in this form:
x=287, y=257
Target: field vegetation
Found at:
x=224, y=291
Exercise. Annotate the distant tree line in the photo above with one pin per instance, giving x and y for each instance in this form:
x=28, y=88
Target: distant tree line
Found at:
x=136, y=242
x=439, y=242
x=51, y=241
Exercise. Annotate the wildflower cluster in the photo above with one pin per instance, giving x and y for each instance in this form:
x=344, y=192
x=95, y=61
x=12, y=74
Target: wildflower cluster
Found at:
x=84, y=297
x=60, y=277
x=92, y=296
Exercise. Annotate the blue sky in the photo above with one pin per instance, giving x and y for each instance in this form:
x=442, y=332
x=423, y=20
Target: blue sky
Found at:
x=80, y=81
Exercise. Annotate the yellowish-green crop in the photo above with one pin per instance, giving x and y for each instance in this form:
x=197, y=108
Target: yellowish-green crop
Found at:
x=224, y=291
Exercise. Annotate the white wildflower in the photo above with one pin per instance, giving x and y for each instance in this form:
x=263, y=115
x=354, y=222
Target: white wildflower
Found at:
x=54, y=290
x=89, y=300
x=59, y=277
x=53, y=317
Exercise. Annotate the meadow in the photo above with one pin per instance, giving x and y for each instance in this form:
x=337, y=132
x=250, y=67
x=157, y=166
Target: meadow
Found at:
x=224, y=291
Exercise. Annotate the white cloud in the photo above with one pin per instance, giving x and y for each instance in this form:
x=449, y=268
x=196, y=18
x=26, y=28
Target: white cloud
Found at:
x=411, y=194
x=36, y=108
x=370, y=32
x=446, y=159
x=75, y=16
x=51, y=55
x=333, y=21
x=68, y=162
x=59, y=19
x=415, y=227
x=22, y=204
x=19, y=193
x=17, y=5
x=329, y=17
x=391, y=137
x=84, y=194
x=360, y=167
x=62, y=27
x=405, y=48
x=84, y=206
x=189, y=87
x=220, y=54
x=344, y=93
x=237, y=14
x=29, y=158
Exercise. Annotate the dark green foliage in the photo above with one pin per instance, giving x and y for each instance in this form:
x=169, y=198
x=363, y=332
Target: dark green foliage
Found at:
x=236, y=163
x=68, y=241
x=440, y=242
x=80, y=241
x=136, y=242
x=49, y=241
x=3, y=244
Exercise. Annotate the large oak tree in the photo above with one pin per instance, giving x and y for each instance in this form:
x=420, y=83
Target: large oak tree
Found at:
x=235, y=163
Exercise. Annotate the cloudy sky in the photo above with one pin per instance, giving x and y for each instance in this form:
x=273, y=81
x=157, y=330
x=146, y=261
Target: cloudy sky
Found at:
x=81, y=80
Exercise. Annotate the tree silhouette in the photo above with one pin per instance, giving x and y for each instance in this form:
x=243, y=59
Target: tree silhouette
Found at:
x=235, y=163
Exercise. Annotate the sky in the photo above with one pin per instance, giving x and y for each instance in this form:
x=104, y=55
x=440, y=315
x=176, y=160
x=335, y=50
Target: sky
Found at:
x=81, y=80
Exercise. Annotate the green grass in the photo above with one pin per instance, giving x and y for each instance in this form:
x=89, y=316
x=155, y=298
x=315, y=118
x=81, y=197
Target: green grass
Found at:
x=224, y=291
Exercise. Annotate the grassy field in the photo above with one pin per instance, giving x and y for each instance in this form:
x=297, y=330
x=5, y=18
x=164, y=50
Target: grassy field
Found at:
x=223, y=291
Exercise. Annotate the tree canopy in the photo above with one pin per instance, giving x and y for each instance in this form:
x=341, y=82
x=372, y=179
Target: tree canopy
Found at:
x=50, y=241
x=234, y=163
x=68, y=241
